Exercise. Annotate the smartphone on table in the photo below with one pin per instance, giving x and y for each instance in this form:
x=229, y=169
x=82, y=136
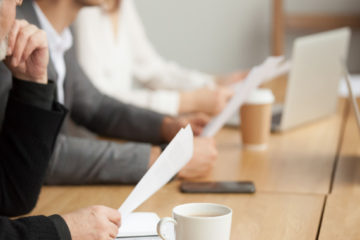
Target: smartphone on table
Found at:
x=218, y=187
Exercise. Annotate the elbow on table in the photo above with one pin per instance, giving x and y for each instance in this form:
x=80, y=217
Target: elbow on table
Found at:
x=17, y=207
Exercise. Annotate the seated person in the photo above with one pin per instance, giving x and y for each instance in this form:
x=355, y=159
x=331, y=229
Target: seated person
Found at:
x=87, y=161
x=27, y=135
x=114, y=51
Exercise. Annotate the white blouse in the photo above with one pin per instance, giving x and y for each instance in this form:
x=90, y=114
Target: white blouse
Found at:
x=128, y=68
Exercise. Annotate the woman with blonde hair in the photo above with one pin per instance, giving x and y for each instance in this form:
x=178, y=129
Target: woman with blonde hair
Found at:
x=116, y=54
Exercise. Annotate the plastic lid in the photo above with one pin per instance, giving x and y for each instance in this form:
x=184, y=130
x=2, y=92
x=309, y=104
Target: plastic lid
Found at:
x=261, y=96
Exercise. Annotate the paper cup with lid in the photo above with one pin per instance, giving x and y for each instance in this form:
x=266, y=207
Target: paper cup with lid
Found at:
x=255, y=117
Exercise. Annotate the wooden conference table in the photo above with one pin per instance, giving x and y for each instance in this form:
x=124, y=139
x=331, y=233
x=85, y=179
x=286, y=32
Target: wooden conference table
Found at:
x=308, y=184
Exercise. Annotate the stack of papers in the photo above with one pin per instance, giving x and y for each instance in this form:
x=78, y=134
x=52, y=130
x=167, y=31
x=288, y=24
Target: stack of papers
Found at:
x=270, y=69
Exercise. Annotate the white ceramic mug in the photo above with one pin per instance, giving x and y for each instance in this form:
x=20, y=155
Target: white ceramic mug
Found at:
x=199, y=221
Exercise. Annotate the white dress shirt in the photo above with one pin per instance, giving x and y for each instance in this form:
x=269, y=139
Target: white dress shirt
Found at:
x=58, y=45
x=126, y=66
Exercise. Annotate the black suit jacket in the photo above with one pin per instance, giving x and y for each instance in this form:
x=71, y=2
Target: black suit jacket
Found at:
x=27, y=138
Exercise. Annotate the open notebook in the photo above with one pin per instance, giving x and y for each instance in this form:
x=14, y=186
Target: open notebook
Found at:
x=139, y=225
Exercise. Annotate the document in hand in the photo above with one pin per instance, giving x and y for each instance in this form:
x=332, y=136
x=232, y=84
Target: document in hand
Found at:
x=270, y=69
x=177, y=154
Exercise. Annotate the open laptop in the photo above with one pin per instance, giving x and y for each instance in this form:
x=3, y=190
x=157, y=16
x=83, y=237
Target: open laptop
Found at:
x=314, y=78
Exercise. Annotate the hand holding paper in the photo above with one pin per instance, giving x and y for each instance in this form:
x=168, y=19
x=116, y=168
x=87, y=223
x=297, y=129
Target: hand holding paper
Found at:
x=177, y=154
x=270, y=69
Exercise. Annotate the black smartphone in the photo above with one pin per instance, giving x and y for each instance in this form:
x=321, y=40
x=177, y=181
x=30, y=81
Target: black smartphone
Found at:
x=218, y=187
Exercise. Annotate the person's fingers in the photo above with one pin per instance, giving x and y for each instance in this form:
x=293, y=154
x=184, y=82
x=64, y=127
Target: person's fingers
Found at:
x=113, y=230
x=21, y=41
x=18, y=24
x=242, y=75
x=183, y=121
x=114, y=216
x=198, y=122
x=36, y=41
x=222, y=95
x=211, y=145
x=229, y=93
x=212, y=141
x=209, y=140
x=215, y=154
x=202, y=119
x=197, y=130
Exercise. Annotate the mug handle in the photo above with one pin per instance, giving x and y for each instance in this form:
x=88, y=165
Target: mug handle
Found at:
x=161, y=223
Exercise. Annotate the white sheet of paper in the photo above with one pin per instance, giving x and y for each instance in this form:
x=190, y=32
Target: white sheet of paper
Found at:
x=139, y=224
x=270, y=69
x=177, y=154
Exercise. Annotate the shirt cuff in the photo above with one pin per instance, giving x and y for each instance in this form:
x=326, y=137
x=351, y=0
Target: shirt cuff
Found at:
x=165, y=102
x=200, y=80
x=35, y=94
x=61, y=227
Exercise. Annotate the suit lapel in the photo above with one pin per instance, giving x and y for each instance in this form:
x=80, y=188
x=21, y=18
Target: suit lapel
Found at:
x=27, y=11
x=52, y=74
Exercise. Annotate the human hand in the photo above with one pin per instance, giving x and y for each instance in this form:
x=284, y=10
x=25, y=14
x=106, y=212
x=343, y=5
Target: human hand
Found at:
x=209, y=101
x=232, y=78
x=202, y=162
x=197, y=121
x=205, y=100
x=154, y=155
x=28, y=54
x=93, y=223
x=171, y=126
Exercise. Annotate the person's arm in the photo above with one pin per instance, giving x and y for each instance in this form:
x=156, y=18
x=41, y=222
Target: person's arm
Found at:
x=151, y=69
x=37, y=227
x=28, y=132
x=92, y=223
x=32, y=121
x=79, y=161
x=162, y=101
x=107, y=116
x=92, y=161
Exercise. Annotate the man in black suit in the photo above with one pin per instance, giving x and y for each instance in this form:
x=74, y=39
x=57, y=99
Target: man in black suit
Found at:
x=27, y=136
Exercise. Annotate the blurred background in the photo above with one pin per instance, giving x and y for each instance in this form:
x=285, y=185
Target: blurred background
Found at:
x=218, y=36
